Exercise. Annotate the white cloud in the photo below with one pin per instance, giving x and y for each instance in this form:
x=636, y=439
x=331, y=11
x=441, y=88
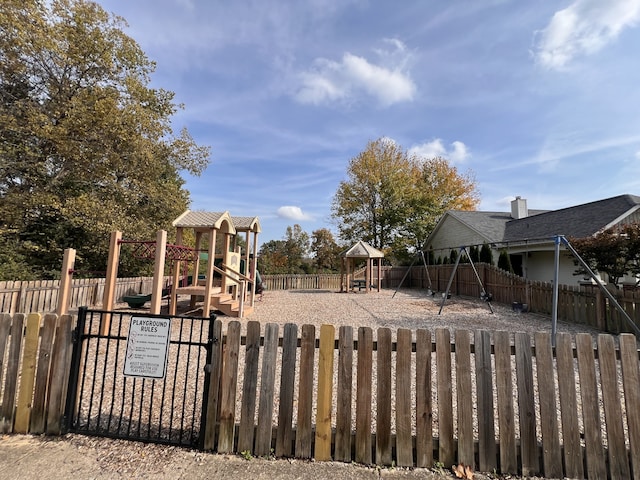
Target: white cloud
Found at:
x=583, y=28
x=293, y=213
x=458, y=152
x=387, y=82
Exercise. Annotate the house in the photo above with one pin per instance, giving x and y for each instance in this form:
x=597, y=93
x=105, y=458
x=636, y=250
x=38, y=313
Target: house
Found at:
x=528, y=236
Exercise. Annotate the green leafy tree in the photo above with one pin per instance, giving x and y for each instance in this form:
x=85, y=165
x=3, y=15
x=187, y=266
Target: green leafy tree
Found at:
x=297, y=249
x=371, y=204
x=86, y=145
x=504, y=261
x=272, y=258
x=393, y=200
x=326, y=252
x=437, y=188
x=614, y=252
x=486, y=255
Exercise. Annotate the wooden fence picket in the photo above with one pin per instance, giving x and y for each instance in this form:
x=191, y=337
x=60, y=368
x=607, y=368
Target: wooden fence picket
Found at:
x=304, y=432
x=446, y=445
x=325, y=391
x=249, y=388
x=631, y=383
x=596, y=467
x=228, y=388
x=505, y=407
x=267, y=391
x=27, y=374
x=486, y=422
x=12, y=371
x=618, y=458
x=343, y=394
x=284, y=436
x=424, y=406
x=383, y=397
x=551, y=449
x=60, y=364
x=464, y=397
x=213, y=387
x=38, y=412
x=568, y=407
x=363, y=396
x=404, y=438
x=526, y=405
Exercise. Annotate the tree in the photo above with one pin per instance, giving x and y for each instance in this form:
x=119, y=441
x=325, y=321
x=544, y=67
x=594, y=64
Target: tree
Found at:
x=437, y=188
x=504, y=261
x=86, y=146
x=614, y=252
x=370, y=205
x=297, y=248
x=325, y=250
x=272, y=258
x=486, y=255
x=393, y=200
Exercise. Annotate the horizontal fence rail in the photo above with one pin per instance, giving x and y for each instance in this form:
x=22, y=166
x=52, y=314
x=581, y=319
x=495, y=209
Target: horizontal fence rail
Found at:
x=585, y=305
x=496, y=401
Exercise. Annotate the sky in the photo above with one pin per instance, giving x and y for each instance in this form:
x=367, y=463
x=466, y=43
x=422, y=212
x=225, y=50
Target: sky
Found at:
x=537, y=99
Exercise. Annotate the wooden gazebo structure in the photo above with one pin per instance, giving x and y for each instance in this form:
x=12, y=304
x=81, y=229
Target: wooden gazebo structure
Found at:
x=349, y=280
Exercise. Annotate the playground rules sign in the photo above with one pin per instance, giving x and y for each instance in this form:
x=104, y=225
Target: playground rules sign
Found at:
x=147, y=347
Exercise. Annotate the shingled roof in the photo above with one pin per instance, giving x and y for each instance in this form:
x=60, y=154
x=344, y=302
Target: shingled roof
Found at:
x=579, y=221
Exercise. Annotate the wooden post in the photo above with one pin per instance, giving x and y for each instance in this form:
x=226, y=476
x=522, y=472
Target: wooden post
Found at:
x=110, y=280
x=206, y=306
x=158, y=271
x=112, y=270
x=175, y=277
x=66, y=276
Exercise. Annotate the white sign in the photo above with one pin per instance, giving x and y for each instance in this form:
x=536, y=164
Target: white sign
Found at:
x=147, y=347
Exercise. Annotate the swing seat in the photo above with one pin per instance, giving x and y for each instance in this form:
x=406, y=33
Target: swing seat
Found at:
x=137, y=301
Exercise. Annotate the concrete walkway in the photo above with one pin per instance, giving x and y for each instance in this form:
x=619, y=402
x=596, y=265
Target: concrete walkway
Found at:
x=76, y=457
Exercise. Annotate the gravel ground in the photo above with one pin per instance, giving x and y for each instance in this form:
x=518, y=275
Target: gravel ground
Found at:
x=408, y=308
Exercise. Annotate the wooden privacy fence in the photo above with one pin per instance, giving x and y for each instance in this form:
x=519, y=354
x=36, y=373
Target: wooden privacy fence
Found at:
x=42, y=295
x=585, y=305
x=499, y=401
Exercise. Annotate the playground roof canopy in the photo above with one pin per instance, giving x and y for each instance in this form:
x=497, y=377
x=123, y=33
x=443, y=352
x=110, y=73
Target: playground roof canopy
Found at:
x=204, y=221
x=247, y=224
x=362, y=250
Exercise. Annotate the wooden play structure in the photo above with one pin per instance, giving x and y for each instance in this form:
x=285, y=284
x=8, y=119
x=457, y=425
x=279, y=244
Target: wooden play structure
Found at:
x=350, y=281
x=227, y=284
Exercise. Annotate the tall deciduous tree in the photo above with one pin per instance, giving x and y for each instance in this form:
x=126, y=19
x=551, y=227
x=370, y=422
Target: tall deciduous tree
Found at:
x=393, y=199
x=325, y=250
x=86, y=145
x=371, y=204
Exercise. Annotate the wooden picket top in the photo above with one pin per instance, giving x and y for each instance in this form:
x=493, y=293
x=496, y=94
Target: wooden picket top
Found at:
x=519, y=405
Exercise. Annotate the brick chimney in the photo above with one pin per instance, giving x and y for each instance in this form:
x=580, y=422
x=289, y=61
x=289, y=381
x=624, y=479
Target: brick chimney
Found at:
x=519, y=208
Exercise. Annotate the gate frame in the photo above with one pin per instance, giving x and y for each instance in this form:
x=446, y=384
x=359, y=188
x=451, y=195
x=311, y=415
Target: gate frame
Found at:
x=79, y=336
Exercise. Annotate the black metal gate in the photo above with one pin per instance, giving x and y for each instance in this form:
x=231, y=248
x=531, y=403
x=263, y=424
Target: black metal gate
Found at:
x=142, y=406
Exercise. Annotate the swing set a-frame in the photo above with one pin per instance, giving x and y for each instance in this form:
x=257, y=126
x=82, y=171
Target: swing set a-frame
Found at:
x=487, y=297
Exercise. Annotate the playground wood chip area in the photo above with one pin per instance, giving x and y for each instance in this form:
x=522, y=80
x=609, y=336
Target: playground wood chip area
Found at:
x=406, y=308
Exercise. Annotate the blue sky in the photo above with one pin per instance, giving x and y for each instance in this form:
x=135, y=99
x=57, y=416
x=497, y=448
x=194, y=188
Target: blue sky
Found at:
x=539, y=99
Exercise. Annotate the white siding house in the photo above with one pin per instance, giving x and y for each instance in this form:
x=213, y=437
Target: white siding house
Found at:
x=528, y=236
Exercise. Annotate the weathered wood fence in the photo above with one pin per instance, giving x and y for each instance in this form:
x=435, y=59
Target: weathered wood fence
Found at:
x=497, y=401
x=576, y=304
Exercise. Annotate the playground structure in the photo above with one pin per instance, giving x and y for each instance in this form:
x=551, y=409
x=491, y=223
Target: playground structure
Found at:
x=229, y=287
x=360, y=251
